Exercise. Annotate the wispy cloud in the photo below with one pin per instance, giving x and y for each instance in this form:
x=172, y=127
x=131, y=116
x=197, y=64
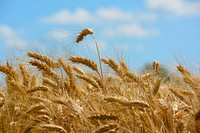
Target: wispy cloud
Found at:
x=176, y=7
x=79, y=16
x=123, y=22
x=131, y=30
x=10, y=38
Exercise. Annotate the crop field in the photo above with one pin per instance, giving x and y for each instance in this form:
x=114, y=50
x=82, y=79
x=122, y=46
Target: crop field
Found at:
x=46, y=95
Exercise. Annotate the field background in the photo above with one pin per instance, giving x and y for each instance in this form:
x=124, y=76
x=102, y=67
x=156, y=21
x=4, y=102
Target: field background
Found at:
x=117, y=67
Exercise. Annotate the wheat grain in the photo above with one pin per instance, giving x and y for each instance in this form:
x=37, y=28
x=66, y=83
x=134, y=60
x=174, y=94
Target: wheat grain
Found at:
x=88, y=80
x=51, y=127
x=84, y=61
x=8, y=71
x=103, y=117
x=36, y=108
x=48, y=82
x=156, y=86
x=39, y=65
x=25, y=74
x=106, y=128
x=197, y=122
x=38, y=88
x=83, y=33
x=2, y=99
x=45, y=59
x=155, y=66
x=78, y=70
x=114, y=66
x=183, y=70
x=33, y=81
x=127, y=103
x=68, y=71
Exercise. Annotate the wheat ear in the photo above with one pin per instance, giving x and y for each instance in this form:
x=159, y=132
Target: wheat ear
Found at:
x=156, y=86
x=51, y=127
x=38, y=88
x=83, y=33
x=103, y=117
x=85, y=61
x=106, y=128
x=25, y=74
x=78, y=70
x=39, y=65
x=2, y=99
x=155, y=66
x=197, y=122
x=36, y=108
x=8, y=71
x=114, y=66
x=88, y=80
x=45, y=59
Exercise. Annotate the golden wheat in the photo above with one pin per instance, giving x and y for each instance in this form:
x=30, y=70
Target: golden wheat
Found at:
x=45, y=59
x=84, y=61
x=83, y=33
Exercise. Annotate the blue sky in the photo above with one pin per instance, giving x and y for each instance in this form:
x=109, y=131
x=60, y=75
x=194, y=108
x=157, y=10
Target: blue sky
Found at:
x=143, y=31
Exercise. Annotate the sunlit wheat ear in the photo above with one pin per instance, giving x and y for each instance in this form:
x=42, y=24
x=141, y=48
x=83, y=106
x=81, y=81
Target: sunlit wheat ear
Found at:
x=2, y=99
x=85, y=61
x=103, y=117
x=25, y=74
x=197, y=121
x=38, y=88
x=8, y=71
x=44, y=59
x=106, y=128
x=83, y=33
x=155, y=66
x=183, y=70
x=51, y=127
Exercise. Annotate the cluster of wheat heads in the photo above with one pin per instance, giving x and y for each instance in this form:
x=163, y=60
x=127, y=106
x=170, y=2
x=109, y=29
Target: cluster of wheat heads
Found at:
x=57, y=96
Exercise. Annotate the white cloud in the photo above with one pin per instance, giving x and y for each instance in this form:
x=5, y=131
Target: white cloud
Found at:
x=176, y=7
x=10, y=38
x=64, y=16
x=114, y=14
x=83, y=16
x=131, y=30
x=123, y=22
x=57, y=35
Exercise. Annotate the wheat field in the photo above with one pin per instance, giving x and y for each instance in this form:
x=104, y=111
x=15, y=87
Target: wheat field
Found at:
x=57, y=96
